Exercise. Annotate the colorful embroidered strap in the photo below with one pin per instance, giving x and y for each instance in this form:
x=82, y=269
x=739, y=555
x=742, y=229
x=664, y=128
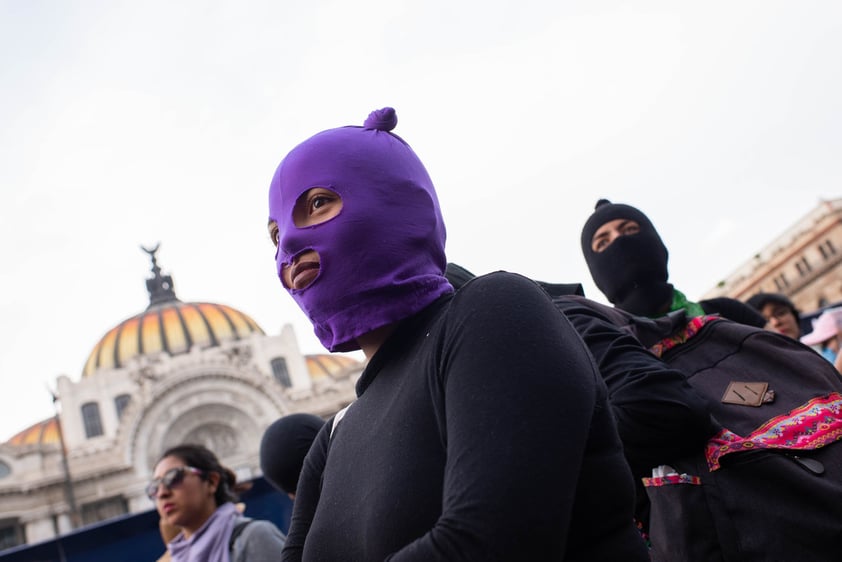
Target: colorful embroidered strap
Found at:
x=671, y=479
x=692, y=328
x=643, y=534
x=811, y=426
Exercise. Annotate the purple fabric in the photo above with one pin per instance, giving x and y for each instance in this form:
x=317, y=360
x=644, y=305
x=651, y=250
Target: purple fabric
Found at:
x=210, y=542
x=382, y=258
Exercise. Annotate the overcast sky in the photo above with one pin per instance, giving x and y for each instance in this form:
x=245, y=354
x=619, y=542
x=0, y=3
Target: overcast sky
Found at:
x=125, y=123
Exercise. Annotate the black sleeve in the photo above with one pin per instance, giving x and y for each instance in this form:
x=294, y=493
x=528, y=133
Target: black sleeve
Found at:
x=735, y=310
x=660, y=417
x=519, y=392
x=307, y=495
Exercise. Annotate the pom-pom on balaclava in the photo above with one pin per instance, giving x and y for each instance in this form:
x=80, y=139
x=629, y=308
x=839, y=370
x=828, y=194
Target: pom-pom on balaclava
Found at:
x=283, y=447
x=381, y=259
x=632, y=271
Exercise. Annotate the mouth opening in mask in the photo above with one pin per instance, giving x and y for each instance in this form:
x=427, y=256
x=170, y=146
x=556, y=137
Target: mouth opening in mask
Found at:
x=302, y=271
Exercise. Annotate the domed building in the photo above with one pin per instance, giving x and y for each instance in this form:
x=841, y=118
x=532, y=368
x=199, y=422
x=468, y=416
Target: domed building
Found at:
x=176, y=372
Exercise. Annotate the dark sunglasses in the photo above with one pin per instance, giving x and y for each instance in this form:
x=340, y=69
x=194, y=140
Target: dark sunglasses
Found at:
x=171, y=479
x=780, y=313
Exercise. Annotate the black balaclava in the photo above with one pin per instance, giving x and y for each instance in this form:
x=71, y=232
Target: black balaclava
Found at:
x=632, y=270
x=283, y=447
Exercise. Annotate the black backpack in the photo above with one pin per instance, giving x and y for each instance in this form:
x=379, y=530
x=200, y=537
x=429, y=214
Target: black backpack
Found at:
x=768, y=486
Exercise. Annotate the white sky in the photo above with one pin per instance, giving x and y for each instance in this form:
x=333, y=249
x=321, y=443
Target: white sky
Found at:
x=125, y=123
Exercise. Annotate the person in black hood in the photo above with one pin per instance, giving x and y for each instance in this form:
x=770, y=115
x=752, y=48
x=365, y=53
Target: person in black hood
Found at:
x=283, y=447
x=628, y=262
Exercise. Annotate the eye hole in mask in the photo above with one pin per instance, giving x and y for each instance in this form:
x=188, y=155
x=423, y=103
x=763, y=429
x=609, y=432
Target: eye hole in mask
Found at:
x=315, y=206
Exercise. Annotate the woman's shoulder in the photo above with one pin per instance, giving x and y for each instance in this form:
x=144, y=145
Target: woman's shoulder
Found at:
x=499, y=298
x=500, y=280
x=251, y=527
x=500, y=286
x=254, y=538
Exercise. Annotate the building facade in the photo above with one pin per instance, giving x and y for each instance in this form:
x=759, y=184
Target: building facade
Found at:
x=177, y=372
x=802, y=263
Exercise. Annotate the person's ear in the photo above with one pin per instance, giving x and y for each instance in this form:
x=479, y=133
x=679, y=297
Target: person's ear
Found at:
x=213, y=481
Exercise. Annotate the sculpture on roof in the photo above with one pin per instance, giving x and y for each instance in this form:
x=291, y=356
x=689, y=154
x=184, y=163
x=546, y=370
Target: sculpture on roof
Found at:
x=160, y=287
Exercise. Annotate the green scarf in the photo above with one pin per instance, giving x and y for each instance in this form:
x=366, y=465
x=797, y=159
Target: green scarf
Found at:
x=679, y=301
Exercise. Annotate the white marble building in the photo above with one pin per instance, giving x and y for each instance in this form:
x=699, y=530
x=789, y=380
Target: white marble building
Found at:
x=177, y=372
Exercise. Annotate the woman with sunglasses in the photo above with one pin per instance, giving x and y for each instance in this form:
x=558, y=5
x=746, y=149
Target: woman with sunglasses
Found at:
x=194, y=492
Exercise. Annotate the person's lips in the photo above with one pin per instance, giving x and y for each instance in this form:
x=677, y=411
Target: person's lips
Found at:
x=303, y=273
x=168, y=508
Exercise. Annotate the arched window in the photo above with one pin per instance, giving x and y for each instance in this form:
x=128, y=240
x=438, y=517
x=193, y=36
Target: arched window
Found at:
x=280, y=371
x=120, y=403
x=91, y=419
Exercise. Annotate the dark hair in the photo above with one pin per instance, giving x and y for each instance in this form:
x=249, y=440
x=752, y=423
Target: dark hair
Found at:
x=283, y=447
x=199, y=456
x=760, y=300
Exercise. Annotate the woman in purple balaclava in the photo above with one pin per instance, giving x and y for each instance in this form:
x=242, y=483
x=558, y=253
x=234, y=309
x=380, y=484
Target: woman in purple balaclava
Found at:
x=381, y=258
x=475, y=435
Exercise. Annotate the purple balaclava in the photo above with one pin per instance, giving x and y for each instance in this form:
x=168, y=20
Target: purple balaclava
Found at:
x=381, y=259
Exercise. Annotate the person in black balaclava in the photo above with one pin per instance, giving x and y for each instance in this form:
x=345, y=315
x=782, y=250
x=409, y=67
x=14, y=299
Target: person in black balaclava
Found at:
x=628, y=262
x=627, y=259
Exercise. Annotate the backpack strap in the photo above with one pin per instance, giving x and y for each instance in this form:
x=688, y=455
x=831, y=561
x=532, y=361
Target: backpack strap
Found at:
x=812, y=425
x=338, y=418
x=334, y=422
x=691, y=329
x=239, y=526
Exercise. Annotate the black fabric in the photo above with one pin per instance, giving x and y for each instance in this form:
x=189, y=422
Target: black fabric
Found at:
x=732, y=309
x=481, y=432
x=283, y=447
x=659, y=415
x=632, y=271
x=605, y=211
x=762, y=504
x=561, y=288
x=457, y=275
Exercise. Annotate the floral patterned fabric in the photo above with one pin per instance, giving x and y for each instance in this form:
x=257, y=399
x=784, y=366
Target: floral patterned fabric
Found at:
x=811, y=426
x=693, y=327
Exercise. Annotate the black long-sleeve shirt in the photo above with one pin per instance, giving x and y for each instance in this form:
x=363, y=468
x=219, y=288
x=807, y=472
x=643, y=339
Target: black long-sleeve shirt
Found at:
x=481, y=432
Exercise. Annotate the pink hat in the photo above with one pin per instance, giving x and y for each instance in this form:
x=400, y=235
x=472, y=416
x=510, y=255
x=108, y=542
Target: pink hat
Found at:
x=825, y=327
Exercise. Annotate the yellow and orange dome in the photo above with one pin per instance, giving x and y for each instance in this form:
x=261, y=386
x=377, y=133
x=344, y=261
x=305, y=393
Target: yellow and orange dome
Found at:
x=168, y=325
x=320, y=366
x=42, y=433
x=173, y=327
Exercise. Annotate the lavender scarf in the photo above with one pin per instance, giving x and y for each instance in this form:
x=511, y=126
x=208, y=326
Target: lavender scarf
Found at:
x=210, y=542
